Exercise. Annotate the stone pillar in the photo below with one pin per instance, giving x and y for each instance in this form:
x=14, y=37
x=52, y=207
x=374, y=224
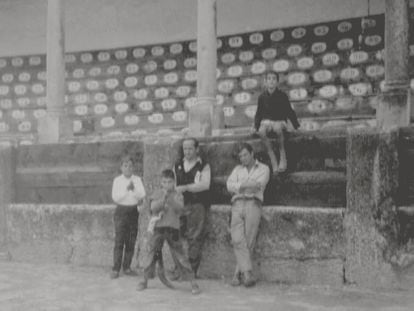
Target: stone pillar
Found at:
x=370, y=221
x=55, y=125
x=206, y=115
x=7, y=173
x=394, y=104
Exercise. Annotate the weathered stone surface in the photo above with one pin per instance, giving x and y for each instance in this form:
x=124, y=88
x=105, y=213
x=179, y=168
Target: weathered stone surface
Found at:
x=371, y=217
x=316, y=175
x=76, y=234
x=83, y=173
x=307, y=242
x=72, y=173
x=7, y=193
x=406, y=169
x=406, y=227
x=307, y=239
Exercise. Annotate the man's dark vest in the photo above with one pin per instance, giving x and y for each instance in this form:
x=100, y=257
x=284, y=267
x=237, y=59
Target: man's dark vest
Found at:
x=185, y=178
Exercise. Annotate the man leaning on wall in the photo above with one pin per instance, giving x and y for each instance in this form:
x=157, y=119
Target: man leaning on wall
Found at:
x=193, y=181
x=247, y=183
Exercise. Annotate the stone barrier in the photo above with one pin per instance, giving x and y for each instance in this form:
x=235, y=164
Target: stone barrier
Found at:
x=295, y=244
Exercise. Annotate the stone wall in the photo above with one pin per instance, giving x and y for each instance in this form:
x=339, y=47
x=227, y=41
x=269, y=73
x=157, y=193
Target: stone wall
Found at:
x=295, y=245
x=82, y=173
x=320, y=242
x=71, y=173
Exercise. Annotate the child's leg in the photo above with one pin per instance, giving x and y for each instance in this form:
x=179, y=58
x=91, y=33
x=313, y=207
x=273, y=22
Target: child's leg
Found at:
x=183, y=263
x=153, y=246
x=131, y=237
x=281, y=139
x=176, y=274
x=120, y=234
x=263, y=135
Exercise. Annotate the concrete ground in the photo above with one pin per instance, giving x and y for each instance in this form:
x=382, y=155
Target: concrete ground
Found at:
x=60, y=287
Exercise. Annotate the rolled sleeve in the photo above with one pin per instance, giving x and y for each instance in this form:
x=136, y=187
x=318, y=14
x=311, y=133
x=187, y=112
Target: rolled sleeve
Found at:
x=233, y=184
x=263, y=177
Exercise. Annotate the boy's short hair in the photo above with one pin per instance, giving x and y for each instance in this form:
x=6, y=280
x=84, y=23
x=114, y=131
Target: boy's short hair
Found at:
x=127, y=158
x=168, y=173
x=272, y=73
x=242, y=146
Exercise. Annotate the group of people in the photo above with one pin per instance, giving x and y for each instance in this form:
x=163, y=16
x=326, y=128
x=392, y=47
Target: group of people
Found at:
x=180, y=206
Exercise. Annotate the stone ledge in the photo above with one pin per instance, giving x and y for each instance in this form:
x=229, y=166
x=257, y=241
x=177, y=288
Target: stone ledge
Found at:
x=295, y=244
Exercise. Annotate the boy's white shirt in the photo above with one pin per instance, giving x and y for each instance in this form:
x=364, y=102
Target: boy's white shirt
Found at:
x=122, y=196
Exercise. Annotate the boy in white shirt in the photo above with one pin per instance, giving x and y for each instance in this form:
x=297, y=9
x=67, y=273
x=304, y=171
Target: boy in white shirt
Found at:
x=127, y=192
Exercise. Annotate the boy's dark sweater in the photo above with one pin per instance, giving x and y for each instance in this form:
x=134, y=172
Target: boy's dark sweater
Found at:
x=275, y=107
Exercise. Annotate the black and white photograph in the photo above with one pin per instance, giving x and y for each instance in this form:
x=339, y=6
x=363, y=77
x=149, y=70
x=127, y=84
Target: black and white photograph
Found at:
x=199, y=155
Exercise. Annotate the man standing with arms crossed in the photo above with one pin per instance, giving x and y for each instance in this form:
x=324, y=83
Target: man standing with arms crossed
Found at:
x=247, y=183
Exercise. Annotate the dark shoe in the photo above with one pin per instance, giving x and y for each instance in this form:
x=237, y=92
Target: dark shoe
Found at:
x=195, y=290
x=142, y=285
x=130, y=272
x=114, y=275
x=248, y=281
x=236, y=281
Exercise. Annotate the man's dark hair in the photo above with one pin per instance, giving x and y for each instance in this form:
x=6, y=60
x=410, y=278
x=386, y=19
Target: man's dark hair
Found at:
x=168, y=173
x=272, y=73
x=243, y=146
x=193, y=139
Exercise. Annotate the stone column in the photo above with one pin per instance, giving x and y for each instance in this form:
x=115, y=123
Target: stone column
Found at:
x=55, y=125
x=7, y=174
x=206, y=115
x=370, y=222
x=394, y=104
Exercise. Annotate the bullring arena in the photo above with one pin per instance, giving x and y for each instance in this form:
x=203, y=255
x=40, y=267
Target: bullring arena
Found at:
x=84, y=83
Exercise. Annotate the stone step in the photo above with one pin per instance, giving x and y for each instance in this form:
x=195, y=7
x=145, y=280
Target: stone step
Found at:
x=305, y=151
x=309, y=188
x=306, y=188
x=4, y=256
x=406, y=224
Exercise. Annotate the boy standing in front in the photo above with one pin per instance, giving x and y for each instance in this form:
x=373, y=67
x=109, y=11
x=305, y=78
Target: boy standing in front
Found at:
x=127, y=192
x=171, y=204
x=273, y=111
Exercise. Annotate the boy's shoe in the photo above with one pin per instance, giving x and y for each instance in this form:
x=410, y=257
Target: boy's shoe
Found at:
x=130, y=272
x=248, y=281
x=114, y=274
x=142, y=285
x=195, y=290
x=236, y=281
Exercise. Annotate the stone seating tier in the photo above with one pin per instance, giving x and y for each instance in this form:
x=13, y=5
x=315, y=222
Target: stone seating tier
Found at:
x=83, y=173
x=330, y=70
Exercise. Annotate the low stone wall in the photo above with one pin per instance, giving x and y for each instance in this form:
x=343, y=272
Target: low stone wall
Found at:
x=75, y=234
x=295, y=245
x=71, y=173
